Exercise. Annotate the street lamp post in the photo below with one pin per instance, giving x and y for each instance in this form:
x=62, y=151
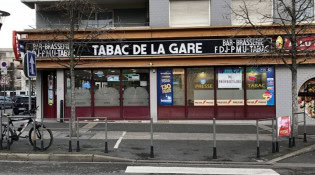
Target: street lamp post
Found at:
x=3, y=14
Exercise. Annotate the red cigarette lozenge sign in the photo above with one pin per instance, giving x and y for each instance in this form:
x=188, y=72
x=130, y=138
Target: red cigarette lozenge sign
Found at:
x=284, y=126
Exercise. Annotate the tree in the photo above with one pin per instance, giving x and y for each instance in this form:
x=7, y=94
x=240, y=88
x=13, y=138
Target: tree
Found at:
x=74, y=17
x=11, y=76
x=292, y=21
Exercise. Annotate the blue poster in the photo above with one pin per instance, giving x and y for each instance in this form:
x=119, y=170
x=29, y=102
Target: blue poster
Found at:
x=165, y=87
x=262, y=78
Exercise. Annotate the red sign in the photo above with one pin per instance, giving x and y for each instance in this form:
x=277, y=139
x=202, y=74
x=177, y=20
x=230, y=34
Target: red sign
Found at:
x=16, y=47
x=284, y=126
x=302, y=43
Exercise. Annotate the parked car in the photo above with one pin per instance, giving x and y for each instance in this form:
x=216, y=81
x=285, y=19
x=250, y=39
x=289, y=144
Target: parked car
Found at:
x=5, y=102
x=21, y=104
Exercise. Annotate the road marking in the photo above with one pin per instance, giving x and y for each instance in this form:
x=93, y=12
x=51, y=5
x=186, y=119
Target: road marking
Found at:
x=119, y=140
x=87, y=127
x=199, y=170
x=266, y=128
x=295, y=153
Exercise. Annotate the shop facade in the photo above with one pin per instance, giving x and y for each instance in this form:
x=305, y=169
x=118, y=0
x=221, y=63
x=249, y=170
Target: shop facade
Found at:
x=166, y=74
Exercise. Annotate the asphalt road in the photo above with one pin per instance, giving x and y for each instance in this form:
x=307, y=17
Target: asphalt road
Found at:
x=43, y=168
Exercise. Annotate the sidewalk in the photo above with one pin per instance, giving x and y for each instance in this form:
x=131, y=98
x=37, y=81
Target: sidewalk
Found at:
x=174, y=141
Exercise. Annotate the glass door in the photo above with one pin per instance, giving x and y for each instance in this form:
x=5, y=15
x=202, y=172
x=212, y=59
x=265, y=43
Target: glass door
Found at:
x=49, y=84
x=136, y=94
x=107, y=93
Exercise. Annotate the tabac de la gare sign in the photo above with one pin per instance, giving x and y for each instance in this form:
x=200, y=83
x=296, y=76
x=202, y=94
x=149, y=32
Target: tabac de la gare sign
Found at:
x=156, y=47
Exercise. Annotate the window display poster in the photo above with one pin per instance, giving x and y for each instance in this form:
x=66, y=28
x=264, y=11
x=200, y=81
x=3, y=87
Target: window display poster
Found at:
x=112, y=77
x=284, y=126
x=50, y=90
x=165, y=87
x=230, y=78
x=261, y=78
x=306, y=98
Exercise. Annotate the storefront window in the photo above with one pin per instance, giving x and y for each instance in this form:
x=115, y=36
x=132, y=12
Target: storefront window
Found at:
x=171, y=87
x=82, y=88
x=200, y=88
x=135, y=87
x=179, y=87
x=230, y=91
x=260, y=86
x=106, y=89
x=306, y=98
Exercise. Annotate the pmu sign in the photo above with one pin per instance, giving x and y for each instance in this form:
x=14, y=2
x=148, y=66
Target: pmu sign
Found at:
x=30, y=64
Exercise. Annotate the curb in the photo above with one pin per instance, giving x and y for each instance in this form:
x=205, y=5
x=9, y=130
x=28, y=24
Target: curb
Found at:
x=59, y=157
x=294, y=153
x=77, y=157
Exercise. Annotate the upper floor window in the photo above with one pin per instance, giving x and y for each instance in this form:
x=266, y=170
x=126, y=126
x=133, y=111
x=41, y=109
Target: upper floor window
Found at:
x=257, y=11
x=189, y=13
x=304, y=11
x=100, y=19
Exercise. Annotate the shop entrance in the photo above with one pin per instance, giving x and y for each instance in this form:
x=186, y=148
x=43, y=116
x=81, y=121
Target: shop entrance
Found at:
x=113, y=93
x=135, y=94
x=306, y=98
x=49, y=94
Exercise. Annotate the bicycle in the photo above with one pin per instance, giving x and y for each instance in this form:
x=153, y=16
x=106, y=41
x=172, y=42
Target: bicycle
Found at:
x=15, y=134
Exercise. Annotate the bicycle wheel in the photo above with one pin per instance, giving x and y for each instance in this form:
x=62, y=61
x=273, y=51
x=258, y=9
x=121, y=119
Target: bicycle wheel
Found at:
x=47, y=139
x=4, y=135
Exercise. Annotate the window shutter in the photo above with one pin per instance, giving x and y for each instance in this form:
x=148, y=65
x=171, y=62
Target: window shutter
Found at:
x=189, y=13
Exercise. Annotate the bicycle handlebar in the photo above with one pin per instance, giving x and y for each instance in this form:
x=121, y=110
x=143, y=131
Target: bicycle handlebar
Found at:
x=33, y=110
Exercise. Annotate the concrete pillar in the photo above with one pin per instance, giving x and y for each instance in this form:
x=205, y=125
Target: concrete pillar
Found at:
x=153, y=94
x=60, y=91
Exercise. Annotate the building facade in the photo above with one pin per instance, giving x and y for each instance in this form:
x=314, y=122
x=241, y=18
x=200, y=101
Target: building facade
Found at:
x=17, y=86
x=165, y=59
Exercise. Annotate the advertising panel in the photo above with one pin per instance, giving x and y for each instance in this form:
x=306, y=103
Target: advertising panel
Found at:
x=50, y=90
x=230, y=78
x=260, y=83
x=284, y=126
x=165, y=87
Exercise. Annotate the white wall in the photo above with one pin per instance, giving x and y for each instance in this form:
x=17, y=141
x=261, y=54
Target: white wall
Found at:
x=283, y=88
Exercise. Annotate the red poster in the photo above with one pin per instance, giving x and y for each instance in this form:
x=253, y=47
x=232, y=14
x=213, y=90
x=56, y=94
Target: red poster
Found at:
x=284, y=126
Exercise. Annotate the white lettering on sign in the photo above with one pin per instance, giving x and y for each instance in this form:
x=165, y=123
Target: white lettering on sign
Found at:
x=247, y=45
x=51, y=49
x=189, y=48
x=156, y=47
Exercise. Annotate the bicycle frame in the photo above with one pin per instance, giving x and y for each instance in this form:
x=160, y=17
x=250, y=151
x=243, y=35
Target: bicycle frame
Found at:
x=16, y=132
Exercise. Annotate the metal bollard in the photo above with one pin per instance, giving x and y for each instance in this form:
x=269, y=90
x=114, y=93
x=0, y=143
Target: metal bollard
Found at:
x=257, y=135
x=305, y=140
x=34, y=135
x=78, y=132
x=1, y=148
x=273, y=137
x=42, y=134
x=151, y=148
x=8, y=130
x=290, y=137
x=106, y=144
x=70, y=134
x=277, y=143
x=214, y=156
x=61, y=112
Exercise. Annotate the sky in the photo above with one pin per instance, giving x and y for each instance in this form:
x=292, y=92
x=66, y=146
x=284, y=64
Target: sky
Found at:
x=22, y=17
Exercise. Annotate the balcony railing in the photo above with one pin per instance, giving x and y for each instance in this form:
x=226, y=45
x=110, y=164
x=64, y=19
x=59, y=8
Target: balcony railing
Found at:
x=91, y=25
